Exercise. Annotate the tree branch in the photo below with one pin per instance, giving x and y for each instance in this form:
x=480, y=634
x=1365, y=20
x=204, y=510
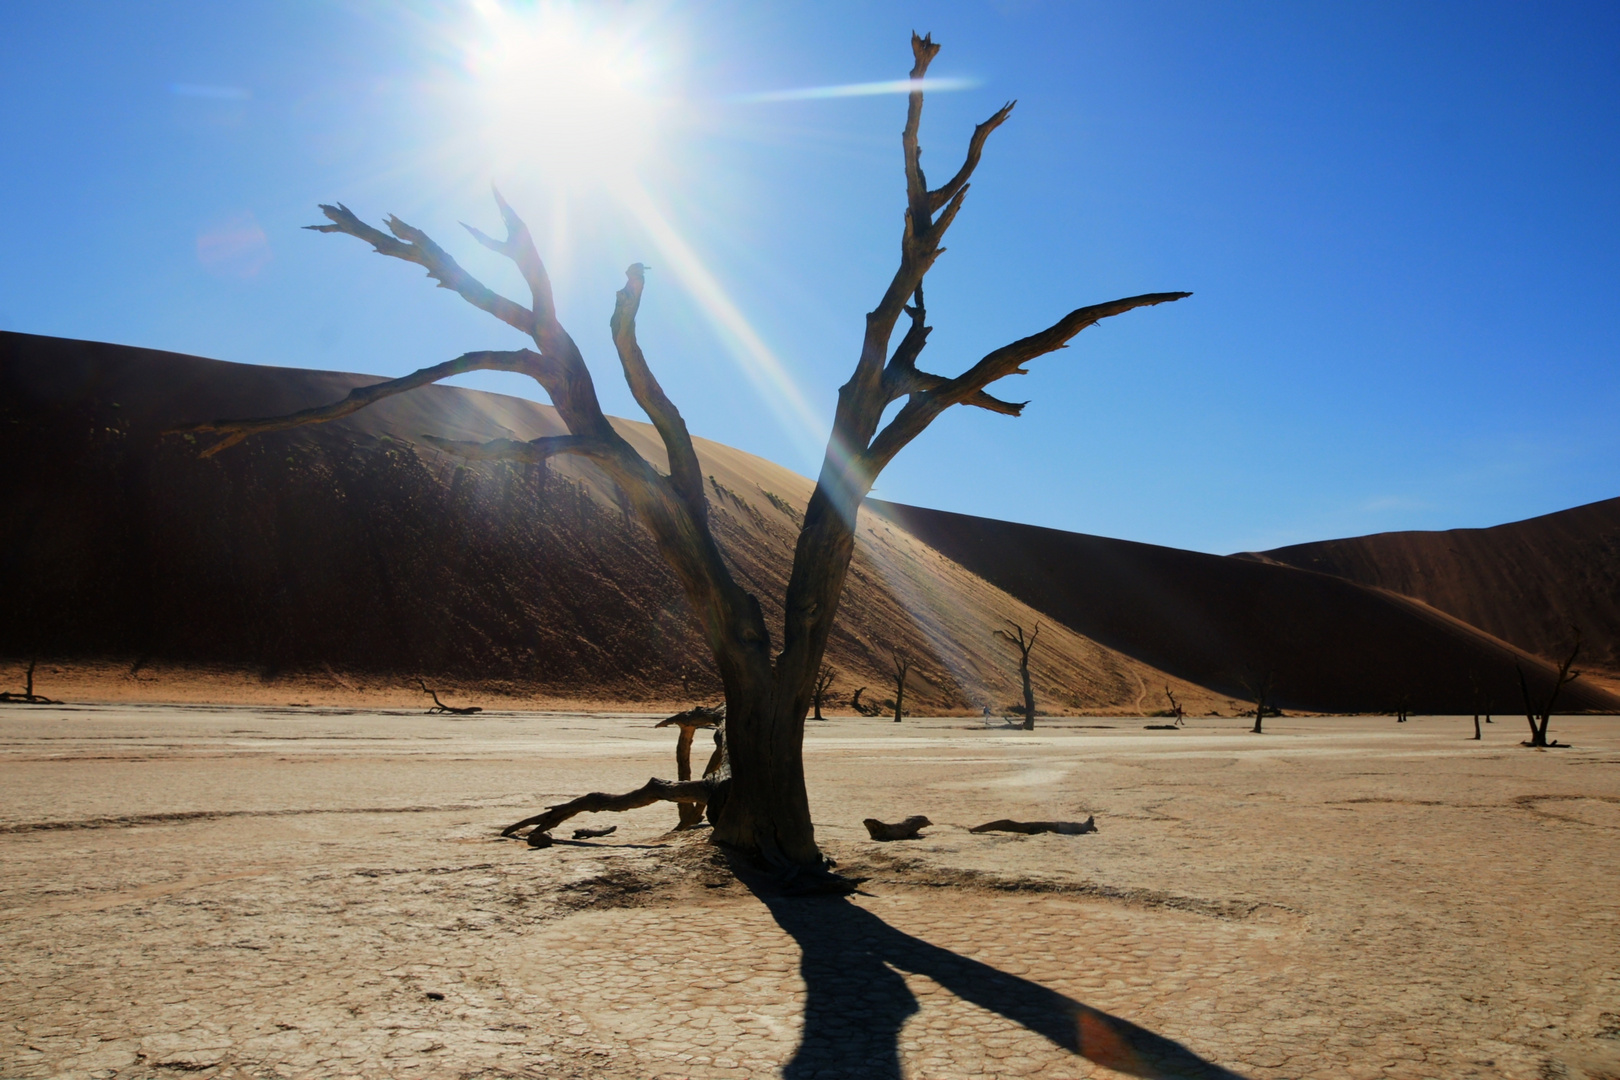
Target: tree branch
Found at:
x=924, y=407
x=940, y=196
x=524, y=361
x=413, y=245
x=519, y=247
x=685, y=474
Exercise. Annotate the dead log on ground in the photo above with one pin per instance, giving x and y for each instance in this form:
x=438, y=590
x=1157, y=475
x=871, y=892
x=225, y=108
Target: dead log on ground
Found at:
x=1030, y=828
x=654, y=790
x=905, y=830
x=440, y=707
x=592, y=834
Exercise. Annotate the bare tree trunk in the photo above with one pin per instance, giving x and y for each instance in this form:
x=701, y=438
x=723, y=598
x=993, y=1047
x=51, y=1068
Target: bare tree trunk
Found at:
x=1024, y=646
x=824, y=679
x=1477, y=735
x=901, y=666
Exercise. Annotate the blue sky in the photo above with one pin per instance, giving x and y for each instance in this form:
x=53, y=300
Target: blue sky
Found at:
x=1401, y=224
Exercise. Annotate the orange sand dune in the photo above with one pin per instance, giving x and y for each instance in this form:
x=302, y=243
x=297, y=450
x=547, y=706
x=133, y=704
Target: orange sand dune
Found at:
x=347, y=554
x=1527, y=582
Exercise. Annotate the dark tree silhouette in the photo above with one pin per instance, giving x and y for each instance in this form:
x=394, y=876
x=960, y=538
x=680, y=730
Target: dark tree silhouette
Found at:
x=1175, y=706
x=819, y=691
x=1023, y=646
x=1540, y=716
x=1260, y=690
x=765, y=808
x=27, y=697
x=902, y=665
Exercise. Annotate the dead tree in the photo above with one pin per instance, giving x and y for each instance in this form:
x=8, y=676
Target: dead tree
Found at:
x=691, y=814
x=768, y=679
x=902, y=665
x=1175, y=707
x=823, y=683
x=440, y=708
x=27, y=697
x=1260, y=691
x=1540, y=716
x=1023, y=648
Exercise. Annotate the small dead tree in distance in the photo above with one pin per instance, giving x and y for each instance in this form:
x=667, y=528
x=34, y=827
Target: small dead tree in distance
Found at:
x=1260, y=690
x=1541, y=716
x=902, y=665
x=823, y=683
x=1023, y=648
x=763, y=808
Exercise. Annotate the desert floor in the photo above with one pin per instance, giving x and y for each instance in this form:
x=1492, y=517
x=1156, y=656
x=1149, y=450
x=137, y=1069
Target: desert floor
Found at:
x=256, y=892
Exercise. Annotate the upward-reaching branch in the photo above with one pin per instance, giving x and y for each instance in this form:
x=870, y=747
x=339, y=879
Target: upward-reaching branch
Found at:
x=684, y=471
x=519, y=247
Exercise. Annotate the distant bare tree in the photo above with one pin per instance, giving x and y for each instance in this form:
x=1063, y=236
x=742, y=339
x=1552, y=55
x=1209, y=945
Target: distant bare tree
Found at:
x=818, y=693
x=902, y=664
x=763, y=808
x=1260, y=690
x=1175, y=706
x=27, y=697
x=1541, y=716
x=1023, y=646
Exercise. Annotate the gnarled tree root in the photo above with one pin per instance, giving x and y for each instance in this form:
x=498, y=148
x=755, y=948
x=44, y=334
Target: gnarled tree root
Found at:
x=1067, y=828
x=905, y=830
x=654, y=790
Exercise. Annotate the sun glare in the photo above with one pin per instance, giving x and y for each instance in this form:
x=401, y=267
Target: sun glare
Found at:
x=557, y=90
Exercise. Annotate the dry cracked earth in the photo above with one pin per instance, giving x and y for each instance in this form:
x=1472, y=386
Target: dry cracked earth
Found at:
x=250, y=892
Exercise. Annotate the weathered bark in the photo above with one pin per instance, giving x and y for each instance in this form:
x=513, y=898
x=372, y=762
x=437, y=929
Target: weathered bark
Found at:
x=1023, y=648
x=905, y=830
x=691, y=814
x=768, y=693
x=593, y=834
x=1067, y=828
x=440, y=707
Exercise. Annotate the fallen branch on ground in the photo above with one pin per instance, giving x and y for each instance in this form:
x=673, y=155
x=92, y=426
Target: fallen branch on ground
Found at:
x=441, y=707
x=1067, y=828
x=654, y=790
x=905, y=830
x=592, y=834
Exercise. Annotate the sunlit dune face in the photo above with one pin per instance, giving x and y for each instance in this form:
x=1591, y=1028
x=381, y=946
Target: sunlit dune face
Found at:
x=556, y=92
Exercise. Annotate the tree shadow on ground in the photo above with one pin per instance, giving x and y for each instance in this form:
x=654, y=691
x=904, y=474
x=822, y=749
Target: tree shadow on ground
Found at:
x=856, y=1000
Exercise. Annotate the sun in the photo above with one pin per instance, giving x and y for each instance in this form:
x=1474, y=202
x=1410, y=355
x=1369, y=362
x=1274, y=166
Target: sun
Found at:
x=553, y=89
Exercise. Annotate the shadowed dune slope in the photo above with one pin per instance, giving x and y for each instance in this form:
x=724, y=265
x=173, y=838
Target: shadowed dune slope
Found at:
x=1225, y=622
x=1527, y=582
x=347, y=549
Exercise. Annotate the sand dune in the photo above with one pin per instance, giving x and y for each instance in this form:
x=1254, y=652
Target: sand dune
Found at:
x=1331, y=645
x=347, y=553
x=350, y=556
x=1527, y=582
